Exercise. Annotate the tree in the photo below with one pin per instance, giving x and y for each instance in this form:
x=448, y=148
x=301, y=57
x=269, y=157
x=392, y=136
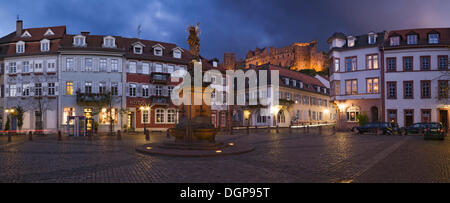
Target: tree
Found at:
x=18, y=113
x=362, y=118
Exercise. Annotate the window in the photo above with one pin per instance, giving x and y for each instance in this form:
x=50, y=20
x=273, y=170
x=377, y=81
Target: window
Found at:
x=426, y=115
x=443, y=89
x=433, y=38
x=408, y=63
x=351, y=87
x=350, y=64
x=26, y=67
x=145, y=68
x=79, y=41
x=102, y=65
x=88, y=87
x=12, y=90
x=288, y=96
x=159, y=116
x=411, y=39
x=305, y=100
x=69, y=88
x=352, y=112
x=145, y=90
x=114, y=65
x=409, y=117
x=170, y=88
x=45, y=45
x=132, y=66
x=392, y=115
x=68, y=111
x=109, y=42
x=351, y=41
x=38, y=67
x=51, y=89
x=69, y=64
x=105, y=116
x=372, y=39
x=26, y=90
x=391, y=64
x=443, y=62
x=114, y=88
x=281, y=117
x=425, y=87
x=157, y=51
x=395, y=41
x=102, y=87
x=392, y=90
x=145, y=116
x=158, y=68
x=171, y=116
x=425, y=62
x=158, y=90
x=132, y=90
x=372, y=85
x=38, y=89
x=51, y=66
x=372, y=61
x=408, y=89
x=88, y=64
x=170, y=69
x=336, y=64
x=20, y=47
x=177, y=54
x=12, y=67
x=137, y=49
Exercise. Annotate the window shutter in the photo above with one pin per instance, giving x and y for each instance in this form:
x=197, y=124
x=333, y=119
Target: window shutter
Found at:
x=64, y=64
x=19, y=90
x=119, y=91
x=96, y=64
x=6, y=68
x=138, y=90
x=44, y=88
x=108, y=65
x=31, y=89
x=82, y=83
x=139, y=67
x=152, y=90
x=127, y=67
x=63, y=87
x=119, y=65
x=127, y=90
x=56, y=88
x=165, y=69
x=6, y=90
x=152, y=67
x=83, y=65
x=18, y=67
x=95, y=87
x=165, y=91
x=75, y=85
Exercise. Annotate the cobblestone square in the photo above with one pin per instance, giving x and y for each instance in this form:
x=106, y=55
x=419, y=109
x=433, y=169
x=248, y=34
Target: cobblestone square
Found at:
x=284, y=157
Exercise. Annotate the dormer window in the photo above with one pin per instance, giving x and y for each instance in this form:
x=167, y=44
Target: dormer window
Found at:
x=394, y=41
x=137, y=49
x=49, y=32
x=109, y=42
x=45, y=45
x=215, y=64
x=79, y=41
x=158, y=50
x=433, y=38
x=26, y=34
x=177, y=51
x=372, y=38
x=20, y=47
x=411, y=39
x=351, y=41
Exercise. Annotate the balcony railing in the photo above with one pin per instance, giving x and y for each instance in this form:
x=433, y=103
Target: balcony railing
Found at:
x=160, y=78
x=92, y=98
x=160, y=100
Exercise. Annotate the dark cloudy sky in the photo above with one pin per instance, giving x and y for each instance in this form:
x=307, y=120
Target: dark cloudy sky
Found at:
x=228, y=25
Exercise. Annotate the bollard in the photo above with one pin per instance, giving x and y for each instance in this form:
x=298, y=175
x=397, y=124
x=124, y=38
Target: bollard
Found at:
x=30, y=136
x=9, y=137
x=119, y=135
x=59, y=136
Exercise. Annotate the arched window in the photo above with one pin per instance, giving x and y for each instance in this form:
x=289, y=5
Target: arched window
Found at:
x=171, y=116
x=159, y=115
x=352, y=113
x=281, y=117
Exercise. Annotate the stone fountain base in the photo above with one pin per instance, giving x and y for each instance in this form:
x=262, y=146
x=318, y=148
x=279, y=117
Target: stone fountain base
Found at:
x=194, y=149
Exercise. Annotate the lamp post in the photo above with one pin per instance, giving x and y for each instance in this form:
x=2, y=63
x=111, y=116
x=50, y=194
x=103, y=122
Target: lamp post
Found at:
x=145, y=108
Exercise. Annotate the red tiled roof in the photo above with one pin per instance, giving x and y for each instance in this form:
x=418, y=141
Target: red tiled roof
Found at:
x=37, y=34
x=444, y=34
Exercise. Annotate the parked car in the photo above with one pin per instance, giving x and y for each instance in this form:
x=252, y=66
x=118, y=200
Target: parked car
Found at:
x=434, y=131
x=384, y=127
x=415, y=128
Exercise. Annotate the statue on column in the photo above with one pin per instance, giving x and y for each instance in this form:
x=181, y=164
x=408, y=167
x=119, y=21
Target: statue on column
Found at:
x=194, y=40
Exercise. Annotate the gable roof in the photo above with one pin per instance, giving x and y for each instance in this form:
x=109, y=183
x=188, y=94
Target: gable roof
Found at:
x=37, y=34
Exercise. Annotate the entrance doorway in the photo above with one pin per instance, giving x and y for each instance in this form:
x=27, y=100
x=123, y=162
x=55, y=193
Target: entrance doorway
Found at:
x=409, y=117
x=88, y=116
x=443, y=118
x=130, y=120
x=374, y=112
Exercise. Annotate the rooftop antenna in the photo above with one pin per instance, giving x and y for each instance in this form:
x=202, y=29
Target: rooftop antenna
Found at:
x=18, y=17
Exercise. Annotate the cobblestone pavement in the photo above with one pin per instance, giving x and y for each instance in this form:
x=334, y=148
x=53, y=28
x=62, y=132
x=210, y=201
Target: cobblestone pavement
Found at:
x=283, y=157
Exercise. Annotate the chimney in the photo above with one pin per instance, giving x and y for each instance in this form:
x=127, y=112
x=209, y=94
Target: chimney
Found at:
x=19, y=27
x=85, y=33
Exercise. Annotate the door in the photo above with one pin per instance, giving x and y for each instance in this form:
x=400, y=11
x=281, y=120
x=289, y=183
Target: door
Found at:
x=443, y=118
x=130, y=119
x=374, y=112
x=409, y=117
x=38, y=120
x=14, y=123
x=88, y=115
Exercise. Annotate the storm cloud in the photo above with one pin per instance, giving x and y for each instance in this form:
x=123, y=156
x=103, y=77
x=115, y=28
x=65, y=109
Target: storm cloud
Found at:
x=227, y=25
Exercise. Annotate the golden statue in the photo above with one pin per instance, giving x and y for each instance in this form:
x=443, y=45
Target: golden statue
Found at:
x=194, y=40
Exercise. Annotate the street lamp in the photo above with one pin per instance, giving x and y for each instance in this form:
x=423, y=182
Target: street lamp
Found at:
x=144, y=108
x=274, y=110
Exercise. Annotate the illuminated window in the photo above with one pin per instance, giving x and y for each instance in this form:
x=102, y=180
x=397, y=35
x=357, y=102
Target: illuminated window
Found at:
x=372, y=85
x=105, y=116
x=159, y=115
x=68, y=111
x=352, y=113
x=145, y=116
x=372, y=61
x=69, y=88
x=351, y=87
x=171, y=116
